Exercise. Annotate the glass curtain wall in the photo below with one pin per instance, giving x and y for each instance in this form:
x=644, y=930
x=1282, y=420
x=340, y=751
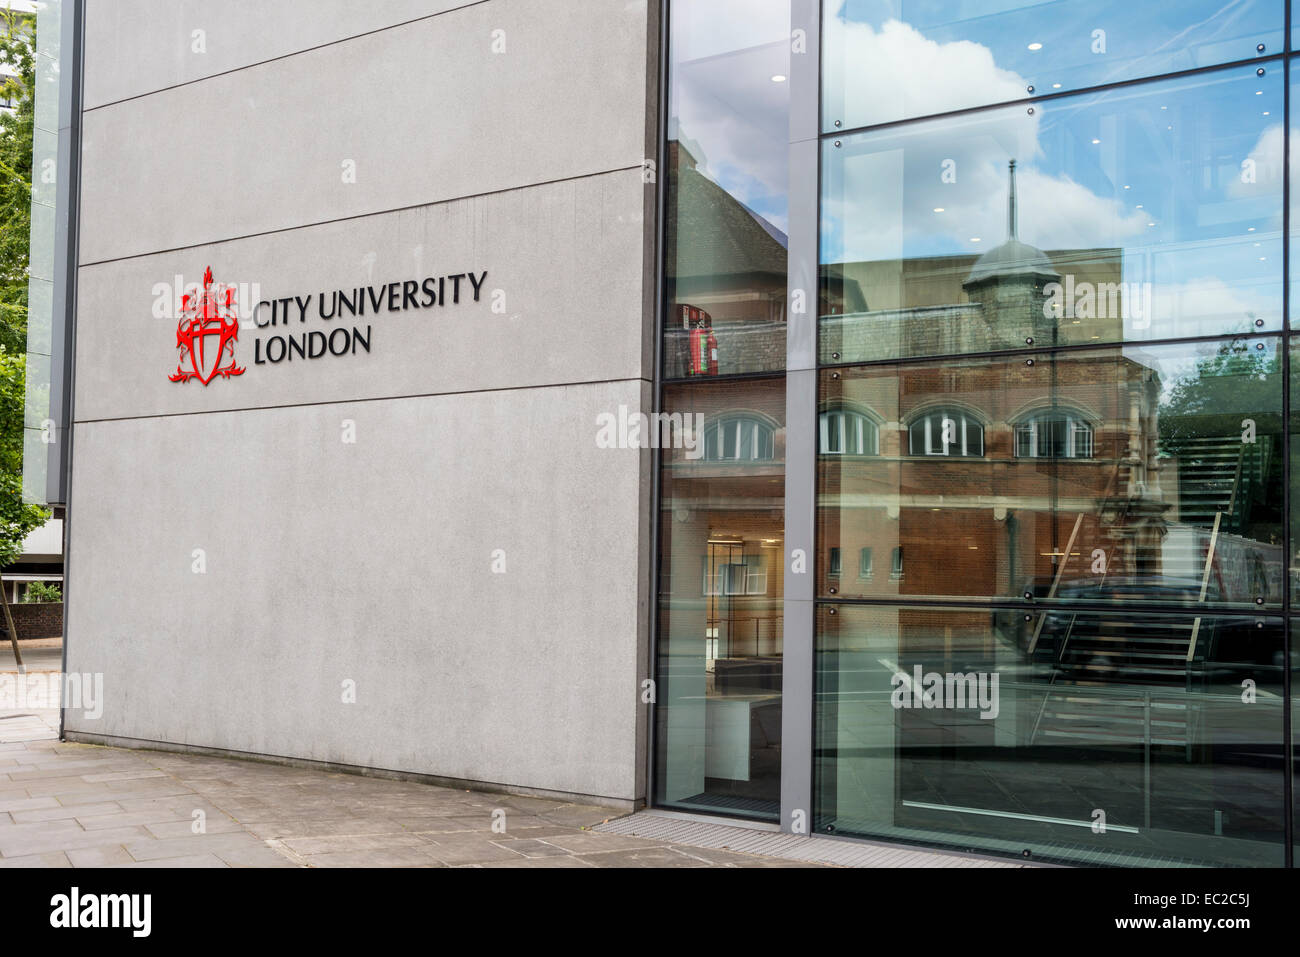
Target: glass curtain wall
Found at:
x=37, y=424
x=721, y=509
x=1053, y=542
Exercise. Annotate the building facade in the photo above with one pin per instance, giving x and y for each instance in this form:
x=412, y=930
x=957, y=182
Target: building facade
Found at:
x=868, y=418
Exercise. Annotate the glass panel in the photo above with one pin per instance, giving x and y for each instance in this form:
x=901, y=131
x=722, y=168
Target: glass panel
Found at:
x=36, y=464
x=45, y=159
x=41, y=251
x=1115, y=739
x=36, y=392
x=1295, y=200
x=1148, y=212
x=720, y=597
x=1294, y=474
x=40, y=310
x=48, y=25
x=47, y=94
x=728, y=147
x=1295, y=730
x=887, y=60
x=1168, y=490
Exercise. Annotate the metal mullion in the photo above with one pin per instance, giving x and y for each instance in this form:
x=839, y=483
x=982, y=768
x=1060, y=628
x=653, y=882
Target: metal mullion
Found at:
x=799, y=605
x=1047, y=97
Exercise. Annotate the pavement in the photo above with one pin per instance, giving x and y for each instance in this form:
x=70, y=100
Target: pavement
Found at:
x=79, y=805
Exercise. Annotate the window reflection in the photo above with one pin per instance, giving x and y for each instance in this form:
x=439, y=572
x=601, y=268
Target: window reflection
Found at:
x=954, y=726
x=727, y=168
x=739, y=438
x=845, y=431
x=1068, y=225
x=890, y=60
x=1053, y=435
x=947, y=432
x=1137, y=474
x=720, y=596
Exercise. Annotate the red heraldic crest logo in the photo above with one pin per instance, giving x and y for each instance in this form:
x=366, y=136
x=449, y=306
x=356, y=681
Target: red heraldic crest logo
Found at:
x=206, y=335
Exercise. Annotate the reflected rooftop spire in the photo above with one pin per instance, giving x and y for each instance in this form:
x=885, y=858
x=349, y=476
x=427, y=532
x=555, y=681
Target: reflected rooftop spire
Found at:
x=1012, y=225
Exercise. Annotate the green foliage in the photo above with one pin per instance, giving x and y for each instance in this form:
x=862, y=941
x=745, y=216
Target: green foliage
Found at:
x=18, y=50
x=1237, y=383
x=17, y=519
x=38, y=592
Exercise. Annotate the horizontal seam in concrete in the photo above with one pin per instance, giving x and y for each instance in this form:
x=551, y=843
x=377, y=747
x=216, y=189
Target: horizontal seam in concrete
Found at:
x=348, y=219
x=360, y=770
x=379, y=398
x=285, y=56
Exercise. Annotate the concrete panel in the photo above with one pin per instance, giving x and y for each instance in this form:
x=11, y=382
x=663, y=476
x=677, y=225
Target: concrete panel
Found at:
x=426, y=112
x=134, y=47
x=568, y=257
x=371, y=562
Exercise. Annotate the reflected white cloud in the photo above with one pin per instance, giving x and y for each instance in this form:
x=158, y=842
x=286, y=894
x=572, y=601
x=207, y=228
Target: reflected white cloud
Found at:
x=907, y=73
x=727, y=111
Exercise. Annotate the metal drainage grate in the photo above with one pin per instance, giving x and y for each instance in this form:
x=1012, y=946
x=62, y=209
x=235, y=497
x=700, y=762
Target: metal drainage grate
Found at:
x=662, y=826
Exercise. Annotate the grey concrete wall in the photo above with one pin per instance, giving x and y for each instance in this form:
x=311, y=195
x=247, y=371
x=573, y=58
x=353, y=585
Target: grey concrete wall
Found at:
x=327, y=561
x=426, y=111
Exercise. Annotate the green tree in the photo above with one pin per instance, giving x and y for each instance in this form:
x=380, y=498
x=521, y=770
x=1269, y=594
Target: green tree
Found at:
x=1234, y=384
x=18, y=52
x=1230, y=405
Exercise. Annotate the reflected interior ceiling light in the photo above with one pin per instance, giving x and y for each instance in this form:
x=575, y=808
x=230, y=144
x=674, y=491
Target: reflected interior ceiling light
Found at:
x=938, y=209
x=1056, y=86
x=974, y=239
x=1139, y=205
x=1095, y=142
x=1035, y=46
x=1150, y=224
x=1164, y=107
x=1259, y=92
x=778, y=78
x=1251, y=229
x=1128, y=187
x=1266, y=112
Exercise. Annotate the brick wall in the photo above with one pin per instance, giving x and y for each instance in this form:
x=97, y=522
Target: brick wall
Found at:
x=38, y=620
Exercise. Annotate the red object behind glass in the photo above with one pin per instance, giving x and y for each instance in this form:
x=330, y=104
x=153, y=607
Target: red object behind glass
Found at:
x=703, y=343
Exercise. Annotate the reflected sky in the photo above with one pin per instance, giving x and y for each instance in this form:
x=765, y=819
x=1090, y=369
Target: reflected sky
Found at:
x=937, y=55
x=1180, y=179
x=727, y=107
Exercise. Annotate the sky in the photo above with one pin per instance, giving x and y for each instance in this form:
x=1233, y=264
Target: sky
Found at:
x=1184, y=175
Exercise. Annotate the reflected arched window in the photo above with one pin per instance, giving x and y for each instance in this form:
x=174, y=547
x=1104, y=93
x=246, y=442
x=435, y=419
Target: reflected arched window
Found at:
x=845, y=432
x=738, y=438
x=1053, y=435
x=946, y=432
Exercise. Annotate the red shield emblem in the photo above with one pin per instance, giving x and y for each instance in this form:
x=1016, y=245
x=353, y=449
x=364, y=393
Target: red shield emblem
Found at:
x=206, y=335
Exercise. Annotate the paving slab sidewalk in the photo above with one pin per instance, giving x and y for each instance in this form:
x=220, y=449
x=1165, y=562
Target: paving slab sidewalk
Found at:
x=79, y=805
